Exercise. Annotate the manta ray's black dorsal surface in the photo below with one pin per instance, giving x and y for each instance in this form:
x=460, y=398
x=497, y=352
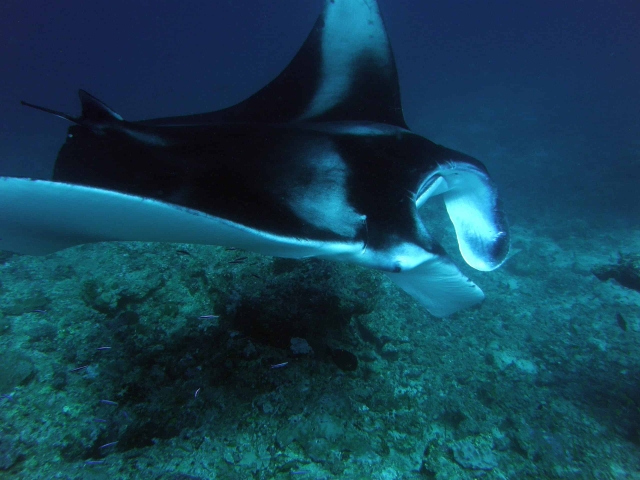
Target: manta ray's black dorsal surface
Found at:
x=318, y=163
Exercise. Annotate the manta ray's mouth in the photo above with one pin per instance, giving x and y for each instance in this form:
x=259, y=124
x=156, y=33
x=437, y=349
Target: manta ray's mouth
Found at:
x=474, y=209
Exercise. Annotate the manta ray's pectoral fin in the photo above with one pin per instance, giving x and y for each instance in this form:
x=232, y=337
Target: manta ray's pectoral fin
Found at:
x=344, y=71
x=38, y=217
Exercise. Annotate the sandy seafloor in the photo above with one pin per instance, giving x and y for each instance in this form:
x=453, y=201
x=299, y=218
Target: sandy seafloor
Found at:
x=540, y=381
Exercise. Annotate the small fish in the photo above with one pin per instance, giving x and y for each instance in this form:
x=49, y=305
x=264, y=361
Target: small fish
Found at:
x=238, y=260
x=257, y=276
x=103, y=348
x=196, y=394
x=183, y=252
x=622, y=323
x=100, y=420
x=94, y=462
x=208, y=317
x=107, y=445
x=77, y=369
x=108, y=402
x=38, y=311
x=230, y=249
x=279, y=365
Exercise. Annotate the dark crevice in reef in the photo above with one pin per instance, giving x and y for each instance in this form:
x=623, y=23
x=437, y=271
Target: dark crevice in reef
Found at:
x=626, y=272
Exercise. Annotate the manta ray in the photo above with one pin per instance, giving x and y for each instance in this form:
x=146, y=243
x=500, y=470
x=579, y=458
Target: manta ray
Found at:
x=318, y=163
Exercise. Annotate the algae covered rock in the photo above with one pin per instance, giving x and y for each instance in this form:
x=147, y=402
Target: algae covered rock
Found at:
x=474, y=455
x=17, y=369
x=10, y=451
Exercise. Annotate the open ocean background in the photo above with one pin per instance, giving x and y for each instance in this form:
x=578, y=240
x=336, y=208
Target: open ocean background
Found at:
x=541, y=382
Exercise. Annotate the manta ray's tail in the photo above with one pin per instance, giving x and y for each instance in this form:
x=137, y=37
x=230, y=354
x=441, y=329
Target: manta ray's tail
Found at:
x=94, y=112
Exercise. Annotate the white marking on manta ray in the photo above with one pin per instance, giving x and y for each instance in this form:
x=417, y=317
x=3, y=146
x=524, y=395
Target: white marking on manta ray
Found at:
x=148, y=138
x=360, y=129
x=352, y=30
x=323, y=200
